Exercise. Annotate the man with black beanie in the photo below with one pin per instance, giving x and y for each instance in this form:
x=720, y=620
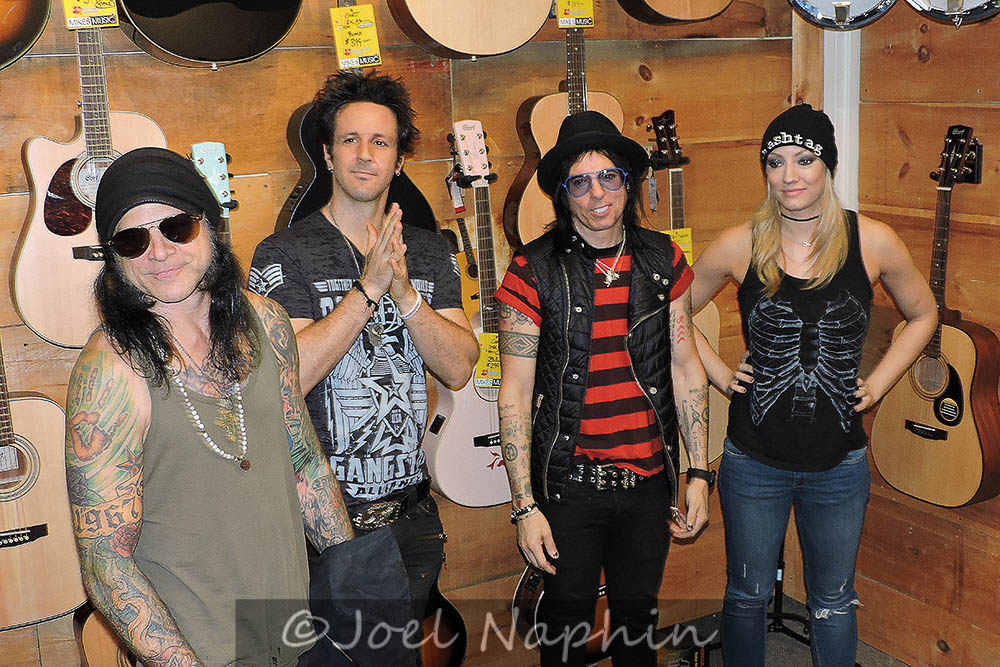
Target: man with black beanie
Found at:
x=191, y=462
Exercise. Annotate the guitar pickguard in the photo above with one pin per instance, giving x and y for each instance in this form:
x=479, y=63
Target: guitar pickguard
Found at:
x=64, y=214
x=949, y=407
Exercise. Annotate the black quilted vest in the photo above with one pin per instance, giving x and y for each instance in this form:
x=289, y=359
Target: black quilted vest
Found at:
x=563, y=266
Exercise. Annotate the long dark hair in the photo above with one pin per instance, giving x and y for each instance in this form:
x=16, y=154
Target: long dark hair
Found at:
x=634, y=210
x=143, y=338
x=345, y=87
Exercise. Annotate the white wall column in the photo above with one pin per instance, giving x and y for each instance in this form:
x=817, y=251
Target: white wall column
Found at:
x=841, y=101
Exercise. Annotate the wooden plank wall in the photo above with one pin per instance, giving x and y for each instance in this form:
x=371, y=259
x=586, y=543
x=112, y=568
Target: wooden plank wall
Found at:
x=927, y=575
x=725, y=78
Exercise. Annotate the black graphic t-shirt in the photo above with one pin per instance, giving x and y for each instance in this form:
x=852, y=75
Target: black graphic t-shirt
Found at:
x=805, y=348
x=369, y=413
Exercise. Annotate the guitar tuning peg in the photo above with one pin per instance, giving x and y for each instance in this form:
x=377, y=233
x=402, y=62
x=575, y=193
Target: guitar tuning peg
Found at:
x=451, y=137
x=229, y=158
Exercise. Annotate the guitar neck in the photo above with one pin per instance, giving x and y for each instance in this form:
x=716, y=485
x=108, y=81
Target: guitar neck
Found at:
x=675, y=184
x=487, y=262
x=470, y=256
x=6, y=423
x=94, y=92
x=576, y=71
x=939, y=262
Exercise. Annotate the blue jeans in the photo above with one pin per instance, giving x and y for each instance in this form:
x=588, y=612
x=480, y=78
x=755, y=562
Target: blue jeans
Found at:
x=829, y=512
x=626, y=533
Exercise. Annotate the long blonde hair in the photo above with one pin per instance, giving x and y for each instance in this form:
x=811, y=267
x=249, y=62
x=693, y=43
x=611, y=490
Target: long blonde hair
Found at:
x=829, y=243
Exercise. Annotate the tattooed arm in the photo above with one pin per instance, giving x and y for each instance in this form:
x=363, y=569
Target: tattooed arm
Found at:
x=518, y=351
x=691, y=401
x=323, y=511
x=107, y=414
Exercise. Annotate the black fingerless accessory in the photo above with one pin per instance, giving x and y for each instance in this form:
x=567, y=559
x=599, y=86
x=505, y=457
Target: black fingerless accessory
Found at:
x=701, y=473
x=522, y=512
x=371, y=304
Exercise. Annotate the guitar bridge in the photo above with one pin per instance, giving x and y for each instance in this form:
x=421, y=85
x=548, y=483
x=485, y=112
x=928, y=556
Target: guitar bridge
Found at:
x=488, y=440
x=19, y=536
x=94, y=253
x=925, y=431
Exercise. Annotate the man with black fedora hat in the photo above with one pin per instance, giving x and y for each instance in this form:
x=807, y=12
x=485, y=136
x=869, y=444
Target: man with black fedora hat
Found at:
x=191, y=462
x=600, y=370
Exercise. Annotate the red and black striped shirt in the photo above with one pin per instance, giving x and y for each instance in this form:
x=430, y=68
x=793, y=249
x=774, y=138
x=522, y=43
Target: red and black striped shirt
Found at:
x=618, y=424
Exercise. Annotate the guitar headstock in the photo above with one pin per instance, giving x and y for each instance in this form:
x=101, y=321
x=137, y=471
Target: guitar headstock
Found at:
x=961, y=159
x=668, y=153
x=469, y=142
x=209, y=157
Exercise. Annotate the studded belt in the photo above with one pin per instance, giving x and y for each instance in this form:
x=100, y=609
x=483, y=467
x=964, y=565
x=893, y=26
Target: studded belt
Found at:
x=605, y=477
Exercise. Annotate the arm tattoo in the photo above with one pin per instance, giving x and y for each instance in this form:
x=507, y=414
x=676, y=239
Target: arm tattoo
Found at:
x=518, y=344
x=323, y=511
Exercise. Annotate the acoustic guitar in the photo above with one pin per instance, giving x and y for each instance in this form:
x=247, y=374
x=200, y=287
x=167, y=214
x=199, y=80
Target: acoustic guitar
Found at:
x=469, y=28
x=21, y=24
x=314, y=187
x=445, y=637
x=58, y=257
x=39, y=568
x=662, y=12
x=668, y=155
x=207, y=33
x=527, y=211
x=462, y=442
x=936, y=434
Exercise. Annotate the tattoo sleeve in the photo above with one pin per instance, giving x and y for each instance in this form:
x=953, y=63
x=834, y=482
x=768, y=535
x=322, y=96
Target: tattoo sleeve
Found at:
x=690, y=384
x=518, y=350
x=104, y=474
x=323, y=511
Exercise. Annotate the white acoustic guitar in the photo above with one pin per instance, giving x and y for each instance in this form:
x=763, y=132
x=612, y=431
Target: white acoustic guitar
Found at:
x=462, y=442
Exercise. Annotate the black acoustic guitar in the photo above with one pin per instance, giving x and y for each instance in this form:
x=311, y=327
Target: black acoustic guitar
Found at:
x=207, y=33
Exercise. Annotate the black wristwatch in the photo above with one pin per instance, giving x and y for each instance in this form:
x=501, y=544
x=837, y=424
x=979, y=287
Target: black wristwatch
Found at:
x=701, y=473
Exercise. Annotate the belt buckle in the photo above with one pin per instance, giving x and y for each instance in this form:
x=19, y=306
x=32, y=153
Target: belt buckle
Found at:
x=377, y=515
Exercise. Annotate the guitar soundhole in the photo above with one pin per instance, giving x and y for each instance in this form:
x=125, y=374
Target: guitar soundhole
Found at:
x=86, y=176
x=19, y=465
x=64, y=214
x=930, y=376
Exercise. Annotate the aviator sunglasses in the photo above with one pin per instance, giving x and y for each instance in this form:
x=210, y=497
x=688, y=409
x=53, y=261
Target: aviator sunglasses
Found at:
x=133, y=242
x=612, y=179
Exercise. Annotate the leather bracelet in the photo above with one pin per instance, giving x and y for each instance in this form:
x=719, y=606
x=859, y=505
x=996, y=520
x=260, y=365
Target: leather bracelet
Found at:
x=371, y=304
x=522, y=512
x=412, y=311
x=701, y=473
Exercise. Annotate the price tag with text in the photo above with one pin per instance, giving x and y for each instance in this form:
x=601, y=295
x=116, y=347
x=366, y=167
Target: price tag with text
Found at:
x=488, y=367
x=90, y=14
x=682, y=237
x=356, y=36
x=575, y=13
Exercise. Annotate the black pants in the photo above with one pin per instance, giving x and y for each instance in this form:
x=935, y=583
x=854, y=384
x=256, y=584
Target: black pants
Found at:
x=626, y=533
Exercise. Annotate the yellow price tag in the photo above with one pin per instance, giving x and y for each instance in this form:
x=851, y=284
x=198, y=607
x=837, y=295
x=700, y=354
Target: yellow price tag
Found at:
x=90, y=14
x=356, y=36
x=488, y=367
x=682, y=237
x=575, y=13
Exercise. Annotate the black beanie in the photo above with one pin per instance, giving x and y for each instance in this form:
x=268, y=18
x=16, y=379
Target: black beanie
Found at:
x=803, y=126
x=151, y=176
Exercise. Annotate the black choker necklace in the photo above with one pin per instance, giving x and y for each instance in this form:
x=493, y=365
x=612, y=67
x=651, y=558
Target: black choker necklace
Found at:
x=788, y=217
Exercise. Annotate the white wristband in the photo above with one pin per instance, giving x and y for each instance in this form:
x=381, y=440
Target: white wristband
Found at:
x=416, y=306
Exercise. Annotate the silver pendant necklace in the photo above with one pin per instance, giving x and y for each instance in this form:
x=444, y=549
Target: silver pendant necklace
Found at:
x=375, y=329
x=611, y=272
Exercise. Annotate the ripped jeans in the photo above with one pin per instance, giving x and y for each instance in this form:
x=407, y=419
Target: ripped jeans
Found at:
x=829, y=512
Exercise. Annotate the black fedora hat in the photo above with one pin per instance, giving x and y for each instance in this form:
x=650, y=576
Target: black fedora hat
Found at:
x=582, y=132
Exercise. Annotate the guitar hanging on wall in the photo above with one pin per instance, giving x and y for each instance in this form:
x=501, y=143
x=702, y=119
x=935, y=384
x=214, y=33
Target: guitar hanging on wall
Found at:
x=936, y=434
x=527, y=211
x=663, y=12
x=39, y=568
x=55, y=263
x=314, y=187
x=207, y=33
x=21, y=24
x=462, y=442
x=668, y=155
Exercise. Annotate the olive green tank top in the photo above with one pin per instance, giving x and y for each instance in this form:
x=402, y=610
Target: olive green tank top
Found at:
x=214, y=534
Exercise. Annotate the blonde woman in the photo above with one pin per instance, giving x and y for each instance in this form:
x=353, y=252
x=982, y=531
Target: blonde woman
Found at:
x=805, y=269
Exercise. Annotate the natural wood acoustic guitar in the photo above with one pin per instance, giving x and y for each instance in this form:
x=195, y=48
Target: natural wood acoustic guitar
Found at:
x=462, y=443
x=527, y=211
x=669, y=155
x=936, y=434
x=662, y=12
x=58, y=255
x=469, y=28
x=39, y=568
x=21, y=24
